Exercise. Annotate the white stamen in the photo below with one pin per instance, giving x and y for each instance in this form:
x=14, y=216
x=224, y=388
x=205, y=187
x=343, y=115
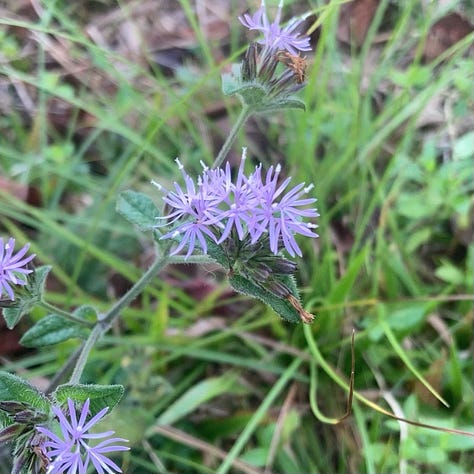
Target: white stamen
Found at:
x=244, y=153
x=180, y=166
x=278, y=168
x=308, y=188
x=7, y=246
x=175, y=233
x=312, y=226
x=204, y=166
x=158, y=185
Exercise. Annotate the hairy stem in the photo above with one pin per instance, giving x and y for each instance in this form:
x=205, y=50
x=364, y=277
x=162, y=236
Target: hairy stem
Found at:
x=94, y=336
x=245, y=113
x=135, y=290
x=114, y=312
x=68, y=366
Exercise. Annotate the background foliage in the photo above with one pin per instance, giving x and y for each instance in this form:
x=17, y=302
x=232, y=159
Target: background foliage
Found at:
x=99, y=97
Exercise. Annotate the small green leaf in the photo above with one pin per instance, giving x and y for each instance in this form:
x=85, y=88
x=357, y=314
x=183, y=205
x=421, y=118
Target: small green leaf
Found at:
x=13, y=314
x=256, y=456
x=86, y=312
x=464, y=146
x=138, y=209
x=450, y=273
x=52, y=329
x=29, y=295
x=37, y=280
x=14, y=388
x=281, y=306
x=100, y=396
x=407, y=318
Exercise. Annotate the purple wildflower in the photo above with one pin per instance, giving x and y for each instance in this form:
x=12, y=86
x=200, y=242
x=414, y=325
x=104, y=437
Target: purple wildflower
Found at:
x=249, y=205
x=283, y=218
x=72, y=453
x=12, y=266
x=240, y=201
x=197, y=206
x=274, y=36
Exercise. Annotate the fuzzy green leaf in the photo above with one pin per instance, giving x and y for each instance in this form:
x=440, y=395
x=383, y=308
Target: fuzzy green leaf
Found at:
x=100, y=396
x=28, y=296
x=52, y=329
x=15, y=388
x=138, y=209
x=281, y=306
x=86, y=312
x=37, y=280
x=13, y=314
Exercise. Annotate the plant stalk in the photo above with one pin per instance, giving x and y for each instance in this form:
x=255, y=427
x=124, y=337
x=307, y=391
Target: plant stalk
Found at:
x=106, y=321
x=245, y=113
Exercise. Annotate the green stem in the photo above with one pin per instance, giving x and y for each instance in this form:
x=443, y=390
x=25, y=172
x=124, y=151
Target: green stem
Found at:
x=135, y=290
x=67, y=367
x=106, y=321
x=94, y=336
x=242, y=118
x=64, y=314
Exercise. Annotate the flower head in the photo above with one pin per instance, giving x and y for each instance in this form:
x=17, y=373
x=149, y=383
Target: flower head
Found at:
x=12, y=267
x=281, y=214
x=219, y=208
x=71, y=452
x=275, y=36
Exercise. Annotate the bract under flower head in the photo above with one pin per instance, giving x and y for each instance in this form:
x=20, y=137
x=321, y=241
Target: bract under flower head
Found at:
x=275, y=36
x=12, y=267
x=70, y=452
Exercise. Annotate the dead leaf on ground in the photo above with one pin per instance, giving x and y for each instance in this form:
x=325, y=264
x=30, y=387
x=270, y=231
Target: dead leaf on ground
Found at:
x=355, y=20
x=22, y=192
x=444, y=34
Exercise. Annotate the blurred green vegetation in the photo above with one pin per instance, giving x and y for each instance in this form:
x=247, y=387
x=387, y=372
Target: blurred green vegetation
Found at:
x=387, y=139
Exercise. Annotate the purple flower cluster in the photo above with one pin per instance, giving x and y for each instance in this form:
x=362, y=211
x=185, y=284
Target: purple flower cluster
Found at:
x=275, y=36
x=252, y=205
x=72, y=454
x=12, y=267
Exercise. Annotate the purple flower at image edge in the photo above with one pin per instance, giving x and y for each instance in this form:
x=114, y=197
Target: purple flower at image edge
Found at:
x=275, y=36
x=71, y=452
x=12, y=267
